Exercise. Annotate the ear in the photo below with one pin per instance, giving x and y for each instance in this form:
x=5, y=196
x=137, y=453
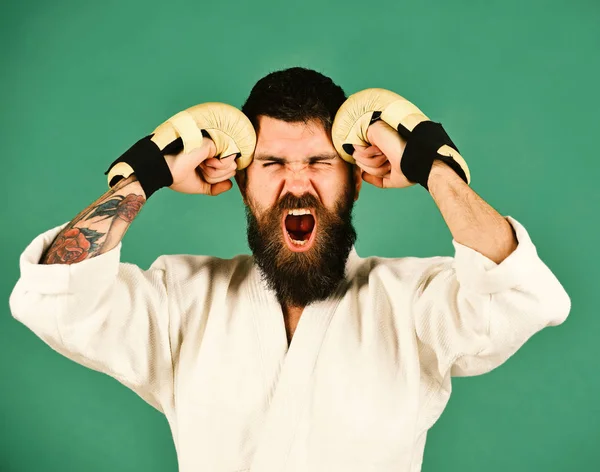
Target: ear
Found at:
x=241, y=180
x=357, y=180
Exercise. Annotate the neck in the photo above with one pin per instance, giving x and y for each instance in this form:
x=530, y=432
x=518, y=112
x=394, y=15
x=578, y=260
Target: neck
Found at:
x=291, y=316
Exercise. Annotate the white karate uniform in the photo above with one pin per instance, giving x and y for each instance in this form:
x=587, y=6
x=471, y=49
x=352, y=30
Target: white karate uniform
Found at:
x=367, y=373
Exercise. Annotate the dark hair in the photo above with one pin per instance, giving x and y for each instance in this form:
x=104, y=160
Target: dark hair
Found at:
x=295, y=95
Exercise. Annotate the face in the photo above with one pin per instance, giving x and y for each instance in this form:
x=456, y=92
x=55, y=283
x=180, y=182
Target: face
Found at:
x=299, y=195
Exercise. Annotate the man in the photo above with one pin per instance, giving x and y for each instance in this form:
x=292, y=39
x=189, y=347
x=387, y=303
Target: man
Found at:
x=371, y=342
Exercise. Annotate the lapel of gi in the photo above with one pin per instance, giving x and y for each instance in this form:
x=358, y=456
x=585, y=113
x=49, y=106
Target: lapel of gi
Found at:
x=288, y=375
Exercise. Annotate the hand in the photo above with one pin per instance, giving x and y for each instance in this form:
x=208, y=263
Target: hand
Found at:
x=380, y=162
x=199, y=172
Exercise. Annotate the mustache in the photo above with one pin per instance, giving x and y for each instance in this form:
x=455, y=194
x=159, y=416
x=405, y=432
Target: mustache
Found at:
x=292, y=202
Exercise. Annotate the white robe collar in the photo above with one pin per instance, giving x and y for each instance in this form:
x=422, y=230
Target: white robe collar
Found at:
x=287, y=372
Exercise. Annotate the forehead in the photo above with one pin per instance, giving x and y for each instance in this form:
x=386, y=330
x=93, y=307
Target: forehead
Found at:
x=283, y=139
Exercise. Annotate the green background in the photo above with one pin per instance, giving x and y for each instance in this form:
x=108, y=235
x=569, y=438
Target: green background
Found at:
x=515, y=84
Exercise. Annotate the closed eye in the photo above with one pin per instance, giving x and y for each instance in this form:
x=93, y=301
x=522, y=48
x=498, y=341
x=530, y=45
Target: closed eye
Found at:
x=324, y=160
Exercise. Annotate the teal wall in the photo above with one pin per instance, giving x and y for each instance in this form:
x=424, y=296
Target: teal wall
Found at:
x=515, y=84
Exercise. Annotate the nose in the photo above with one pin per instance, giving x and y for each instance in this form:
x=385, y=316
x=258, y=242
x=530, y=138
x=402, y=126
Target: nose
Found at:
x=297, y=179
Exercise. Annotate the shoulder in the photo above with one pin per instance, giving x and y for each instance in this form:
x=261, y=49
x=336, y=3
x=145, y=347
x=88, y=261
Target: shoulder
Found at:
x=188, y=267
x=401, y=268
x=396, y=275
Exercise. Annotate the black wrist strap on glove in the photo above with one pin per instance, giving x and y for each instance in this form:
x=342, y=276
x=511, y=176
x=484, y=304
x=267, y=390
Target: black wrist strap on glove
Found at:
x=148, y=164
x=421, y=150
x=422, y=144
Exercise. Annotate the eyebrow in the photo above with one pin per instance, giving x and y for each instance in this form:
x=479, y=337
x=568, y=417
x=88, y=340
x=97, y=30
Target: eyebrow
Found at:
x=283, y=160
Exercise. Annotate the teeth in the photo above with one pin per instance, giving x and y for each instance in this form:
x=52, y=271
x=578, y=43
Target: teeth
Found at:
x=298, y=212
x=299, y=243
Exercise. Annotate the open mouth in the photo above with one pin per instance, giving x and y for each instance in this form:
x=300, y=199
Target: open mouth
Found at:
x=299, y=229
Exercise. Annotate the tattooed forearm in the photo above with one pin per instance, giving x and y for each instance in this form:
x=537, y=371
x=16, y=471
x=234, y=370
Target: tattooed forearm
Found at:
x=100, y=227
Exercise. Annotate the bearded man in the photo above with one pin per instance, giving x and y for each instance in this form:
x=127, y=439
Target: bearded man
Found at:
x=303, y=356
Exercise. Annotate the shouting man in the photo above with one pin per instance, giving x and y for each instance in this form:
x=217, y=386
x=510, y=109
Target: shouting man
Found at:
x=303, y=356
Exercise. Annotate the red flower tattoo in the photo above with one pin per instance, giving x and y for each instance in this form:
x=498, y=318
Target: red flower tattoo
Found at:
x=70, y=247
x=130, y=206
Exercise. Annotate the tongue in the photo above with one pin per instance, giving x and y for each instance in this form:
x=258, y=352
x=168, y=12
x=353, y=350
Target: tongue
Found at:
x=299, y=224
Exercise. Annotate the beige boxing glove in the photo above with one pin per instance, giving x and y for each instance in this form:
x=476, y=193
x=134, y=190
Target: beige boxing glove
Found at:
x=425, y=141
x=229, y=129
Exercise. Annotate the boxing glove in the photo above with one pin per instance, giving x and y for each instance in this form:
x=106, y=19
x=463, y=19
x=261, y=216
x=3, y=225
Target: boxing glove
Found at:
x=229, y=129
x=425, y=140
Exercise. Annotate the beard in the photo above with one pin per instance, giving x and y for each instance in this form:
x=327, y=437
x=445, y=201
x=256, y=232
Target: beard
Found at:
x=301, y=278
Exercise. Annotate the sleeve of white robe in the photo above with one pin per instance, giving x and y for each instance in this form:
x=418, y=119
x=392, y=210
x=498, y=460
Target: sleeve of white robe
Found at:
x=472, y=314
x=109, y=316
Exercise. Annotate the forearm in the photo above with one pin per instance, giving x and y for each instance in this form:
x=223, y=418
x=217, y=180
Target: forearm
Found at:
x=100, y=227
x=472, y=221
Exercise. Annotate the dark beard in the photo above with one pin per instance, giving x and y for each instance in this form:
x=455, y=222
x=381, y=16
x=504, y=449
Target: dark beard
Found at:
x=300, y=278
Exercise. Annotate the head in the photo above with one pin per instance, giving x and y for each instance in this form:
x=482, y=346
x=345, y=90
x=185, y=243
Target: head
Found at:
x=298, y=191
